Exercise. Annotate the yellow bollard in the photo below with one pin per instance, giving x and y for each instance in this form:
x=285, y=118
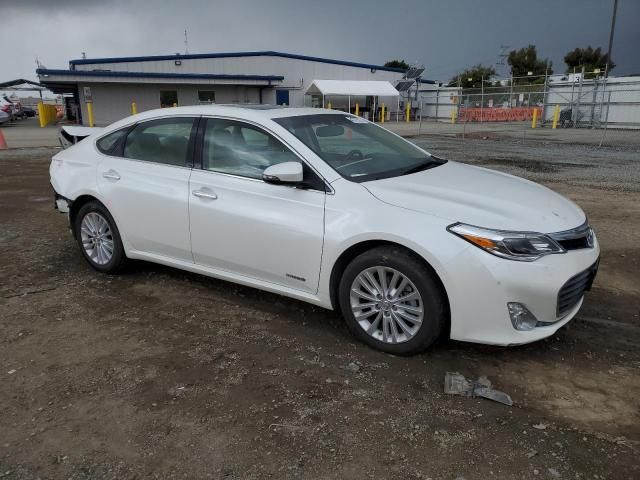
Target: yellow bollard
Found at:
x=556, y=116
x=90, y=113
x=357, y=110
x=134, y=108
x=534, y=118
x=46, y=114
x=382, y=113
x=41, y=115
x=453, y=115
x=407, y=112
x=329, y=106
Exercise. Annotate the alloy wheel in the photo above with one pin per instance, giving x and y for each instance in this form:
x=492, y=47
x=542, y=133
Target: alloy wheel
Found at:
x=386, y=304
x=97, y=238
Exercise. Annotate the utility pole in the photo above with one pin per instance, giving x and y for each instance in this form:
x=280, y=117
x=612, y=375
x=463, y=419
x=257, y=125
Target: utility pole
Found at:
x=481, y=97
x=613, y=28
x=502, y=56
x=511, y=90
x=544, y=93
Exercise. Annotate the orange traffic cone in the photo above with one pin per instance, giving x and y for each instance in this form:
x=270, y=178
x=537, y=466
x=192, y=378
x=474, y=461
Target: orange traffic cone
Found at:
x=3, y=142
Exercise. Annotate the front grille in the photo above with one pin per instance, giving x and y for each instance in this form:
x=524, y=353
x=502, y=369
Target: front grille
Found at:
x=572, y=291
x=574, y=243
x=574, y=239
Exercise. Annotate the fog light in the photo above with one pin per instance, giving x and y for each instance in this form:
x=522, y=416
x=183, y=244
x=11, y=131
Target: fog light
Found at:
x=521, y=317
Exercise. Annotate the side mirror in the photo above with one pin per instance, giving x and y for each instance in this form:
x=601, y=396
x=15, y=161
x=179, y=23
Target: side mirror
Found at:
x=283, y=173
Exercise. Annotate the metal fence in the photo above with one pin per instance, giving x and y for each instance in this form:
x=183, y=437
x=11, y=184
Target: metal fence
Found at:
x=574, y=102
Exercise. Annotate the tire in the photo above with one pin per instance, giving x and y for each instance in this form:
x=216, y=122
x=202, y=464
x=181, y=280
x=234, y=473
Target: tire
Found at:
x=393, y=337
x=98, y=237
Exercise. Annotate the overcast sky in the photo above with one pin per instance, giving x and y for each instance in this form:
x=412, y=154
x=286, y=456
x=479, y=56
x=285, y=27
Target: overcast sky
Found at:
x=445, y=36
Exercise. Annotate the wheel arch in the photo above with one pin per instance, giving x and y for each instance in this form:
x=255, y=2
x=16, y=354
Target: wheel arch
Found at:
x=83, y=199
x=358, y=248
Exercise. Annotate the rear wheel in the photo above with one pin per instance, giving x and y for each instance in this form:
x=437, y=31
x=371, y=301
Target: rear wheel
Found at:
x=392, y=301
x=99, y=238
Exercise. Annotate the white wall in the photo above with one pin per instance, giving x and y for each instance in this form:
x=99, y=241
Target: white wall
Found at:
x=298, y=74
x=111, y=102
x=439, y=103
x=623, y=93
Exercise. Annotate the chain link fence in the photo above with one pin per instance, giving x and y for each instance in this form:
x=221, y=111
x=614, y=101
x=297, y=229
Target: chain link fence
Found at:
x=572, y=101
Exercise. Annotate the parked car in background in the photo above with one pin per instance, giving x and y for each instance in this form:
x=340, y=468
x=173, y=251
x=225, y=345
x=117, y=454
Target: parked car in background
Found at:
x=328, y=208
x=6, y=106
x=16, y=108
x=4, y=117
x=29, y=111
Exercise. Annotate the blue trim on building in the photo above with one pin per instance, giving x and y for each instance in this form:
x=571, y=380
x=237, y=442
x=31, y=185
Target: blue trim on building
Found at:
x=204, y=76
x=92, y=61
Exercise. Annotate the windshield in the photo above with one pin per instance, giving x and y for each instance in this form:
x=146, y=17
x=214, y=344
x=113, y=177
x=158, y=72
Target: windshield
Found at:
x=358, y=149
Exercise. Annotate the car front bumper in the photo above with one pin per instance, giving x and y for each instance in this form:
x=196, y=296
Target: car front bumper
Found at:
x=480, y=286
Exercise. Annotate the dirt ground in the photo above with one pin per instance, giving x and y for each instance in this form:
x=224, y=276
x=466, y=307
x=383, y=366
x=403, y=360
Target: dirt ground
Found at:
x=158, y=373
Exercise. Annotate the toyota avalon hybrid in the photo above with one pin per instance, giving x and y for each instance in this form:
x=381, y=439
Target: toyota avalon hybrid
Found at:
x=328, y=208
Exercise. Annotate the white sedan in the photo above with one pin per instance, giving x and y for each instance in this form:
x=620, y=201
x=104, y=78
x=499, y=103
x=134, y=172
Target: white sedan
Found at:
x=331, y=209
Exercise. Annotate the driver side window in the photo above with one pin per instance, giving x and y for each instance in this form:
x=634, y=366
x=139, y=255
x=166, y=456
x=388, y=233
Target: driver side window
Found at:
x=241, y=149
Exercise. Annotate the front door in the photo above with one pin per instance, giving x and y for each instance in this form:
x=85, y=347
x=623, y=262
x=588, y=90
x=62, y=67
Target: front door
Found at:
x=245, y=226
x=146, y=186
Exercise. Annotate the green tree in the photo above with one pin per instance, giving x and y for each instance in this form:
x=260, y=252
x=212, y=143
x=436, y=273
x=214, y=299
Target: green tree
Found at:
x=472, y=77
x=526, y=60
x=397, y=64
x=589, y=58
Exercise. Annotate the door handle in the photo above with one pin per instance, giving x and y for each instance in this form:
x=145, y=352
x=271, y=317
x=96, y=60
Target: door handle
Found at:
x=208, y=194
x=111, y=175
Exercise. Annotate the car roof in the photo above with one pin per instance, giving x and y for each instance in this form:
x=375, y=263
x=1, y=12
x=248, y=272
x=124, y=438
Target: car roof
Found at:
x=252, y=112
x=257, y=111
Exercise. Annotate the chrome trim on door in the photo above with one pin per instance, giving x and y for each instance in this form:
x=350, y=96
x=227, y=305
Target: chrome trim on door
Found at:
x=111, y=175
x=205, y=194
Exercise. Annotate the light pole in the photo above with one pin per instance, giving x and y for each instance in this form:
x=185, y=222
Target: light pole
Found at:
x=613, y=28
x=481, y=97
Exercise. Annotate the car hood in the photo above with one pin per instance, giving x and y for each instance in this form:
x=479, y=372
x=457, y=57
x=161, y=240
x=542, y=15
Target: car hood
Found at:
x=481, y=197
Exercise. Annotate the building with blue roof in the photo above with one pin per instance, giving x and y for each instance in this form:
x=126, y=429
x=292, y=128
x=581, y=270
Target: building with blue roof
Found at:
x=260, y=77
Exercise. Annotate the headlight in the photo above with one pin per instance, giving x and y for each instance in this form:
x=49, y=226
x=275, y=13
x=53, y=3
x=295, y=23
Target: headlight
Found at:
x=522, y=246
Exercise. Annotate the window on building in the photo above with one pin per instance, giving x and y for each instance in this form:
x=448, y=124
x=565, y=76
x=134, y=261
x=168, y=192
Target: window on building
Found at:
x=168, y=98
x=161, y=141
x=282, y=97
x=241, y=149
x=206, y=96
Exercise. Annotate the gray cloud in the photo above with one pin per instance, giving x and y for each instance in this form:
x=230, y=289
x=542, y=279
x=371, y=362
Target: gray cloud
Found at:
x=445, y=36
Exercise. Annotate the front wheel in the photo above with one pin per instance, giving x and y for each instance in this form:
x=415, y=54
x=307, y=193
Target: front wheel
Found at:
x=99, y=238
x=392, y=301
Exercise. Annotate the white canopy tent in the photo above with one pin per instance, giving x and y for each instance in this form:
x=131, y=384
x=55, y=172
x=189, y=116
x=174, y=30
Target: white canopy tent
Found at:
x=353, y=88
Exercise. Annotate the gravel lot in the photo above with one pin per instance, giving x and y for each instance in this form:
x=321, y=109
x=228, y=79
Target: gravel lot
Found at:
x=158, y=373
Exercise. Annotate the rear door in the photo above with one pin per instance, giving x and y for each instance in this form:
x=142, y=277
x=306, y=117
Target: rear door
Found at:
x=144, y=178
x=243, y=225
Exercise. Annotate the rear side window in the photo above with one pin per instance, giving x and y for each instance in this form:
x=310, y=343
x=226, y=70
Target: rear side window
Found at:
x=163, y=141
x=108, y=143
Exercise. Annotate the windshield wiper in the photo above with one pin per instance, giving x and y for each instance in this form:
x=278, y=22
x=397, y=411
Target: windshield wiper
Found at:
x=424, y=166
